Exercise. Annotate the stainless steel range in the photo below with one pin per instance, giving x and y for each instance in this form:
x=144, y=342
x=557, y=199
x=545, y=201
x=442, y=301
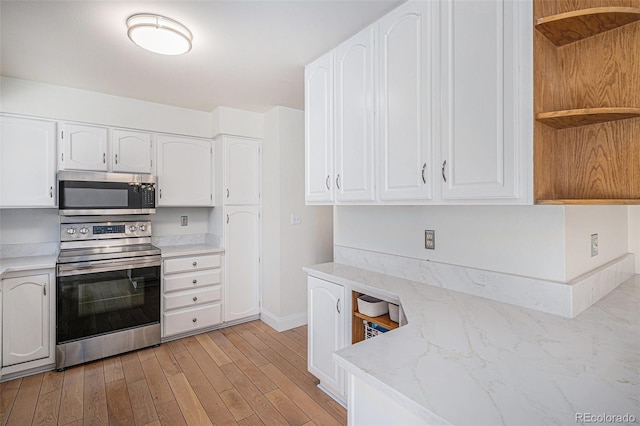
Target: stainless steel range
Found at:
x=108, y=282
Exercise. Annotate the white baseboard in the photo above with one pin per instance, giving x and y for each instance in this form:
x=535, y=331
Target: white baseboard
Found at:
x=283, y=323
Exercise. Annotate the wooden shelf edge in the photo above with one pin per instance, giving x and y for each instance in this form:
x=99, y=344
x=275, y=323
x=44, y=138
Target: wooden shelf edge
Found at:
x=382, y=320
x=569, y=27
x=611, y=201
x=583, y=117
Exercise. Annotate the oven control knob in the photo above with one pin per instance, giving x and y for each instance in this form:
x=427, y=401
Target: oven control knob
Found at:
x=132, y=228
x=71, y=231
x=143, y=227
x=84, y=231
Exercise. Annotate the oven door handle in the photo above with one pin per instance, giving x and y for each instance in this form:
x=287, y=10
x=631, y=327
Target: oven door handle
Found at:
x=83, y=268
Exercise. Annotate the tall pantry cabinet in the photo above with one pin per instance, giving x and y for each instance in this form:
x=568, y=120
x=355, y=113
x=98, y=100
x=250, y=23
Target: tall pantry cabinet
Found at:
x=237, y=217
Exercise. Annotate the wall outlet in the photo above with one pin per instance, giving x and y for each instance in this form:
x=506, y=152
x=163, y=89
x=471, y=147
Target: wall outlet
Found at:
x=296, y=218
x=594, y=245
x=430, y=240
x=184, y=220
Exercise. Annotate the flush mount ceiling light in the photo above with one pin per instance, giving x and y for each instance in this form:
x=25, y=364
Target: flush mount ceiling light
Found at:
x=159, y=34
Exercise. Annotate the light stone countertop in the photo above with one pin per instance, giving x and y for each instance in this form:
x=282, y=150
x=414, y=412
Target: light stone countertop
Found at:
x=189, y=250
x=465, y=360
x=26, y=263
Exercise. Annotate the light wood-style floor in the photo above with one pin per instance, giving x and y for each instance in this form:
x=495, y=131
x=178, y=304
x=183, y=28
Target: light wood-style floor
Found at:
x=247, y=374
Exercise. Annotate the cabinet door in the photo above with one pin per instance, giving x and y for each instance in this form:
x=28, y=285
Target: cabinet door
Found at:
x=83, y=148
x=405, y=127
x=242, y=166
x=25, y=319
x=326, y=332
x=242, y=263
x=131, y=151
x=184, y=171
x=354, y=112
x=318, y=94
x=27, y=156
x=481, y=53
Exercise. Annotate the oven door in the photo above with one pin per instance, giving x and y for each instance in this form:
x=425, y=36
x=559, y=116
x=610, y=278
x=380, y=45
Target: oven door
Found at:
x=101, y=297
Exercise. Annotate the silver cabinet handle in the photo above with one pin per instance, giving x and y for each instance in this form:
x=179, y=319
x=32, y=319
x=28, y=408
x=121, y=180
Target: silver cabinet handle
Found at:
x=161, y=193
x=51, y=192
x=45, y=290
x=195, y=320
x=338, y=306
x=195, y=299
x=227, y=218
x=195, y=263
x=104, y=157
x=195, y=281
x=116, y=158
x=338, y=181
x=227, y=192
x=326, y=182
x=424, y=167
x=444, y=177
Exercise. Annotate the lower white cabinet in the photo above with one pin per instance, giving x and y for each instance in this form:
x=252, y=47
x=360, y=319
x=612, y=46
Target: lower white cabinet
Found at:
x=326, y=333
x=27, y=322
x=242, y=262
x=191, y=293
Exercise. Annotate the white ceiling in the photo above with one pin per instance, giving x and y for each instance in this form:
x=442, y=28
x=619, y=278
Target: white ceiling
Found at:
x=246, y=54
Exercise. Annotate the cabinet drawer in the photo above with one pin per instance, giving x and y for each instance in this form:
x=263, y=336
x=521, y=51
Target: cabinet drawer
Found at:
x=191, y=281
x=186, y=320
x=185, y=299
x=191, y=263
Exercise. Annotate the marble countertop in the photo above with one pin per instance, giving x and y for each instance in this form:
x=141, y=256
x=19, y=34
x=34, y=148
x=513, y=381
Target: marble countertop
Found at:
x=26, y=263
x=465, y=360
x=189, y=250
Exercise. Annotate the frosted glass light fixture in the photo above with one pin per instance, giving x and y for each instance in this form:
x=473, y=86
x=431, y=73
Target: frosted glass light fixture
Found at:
x=159, y=34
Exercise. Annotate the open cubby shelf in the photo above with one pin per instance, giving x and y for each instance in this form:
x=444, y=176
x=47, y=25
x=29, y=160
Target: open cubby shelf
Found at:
x=569, y=27
x=585, y=116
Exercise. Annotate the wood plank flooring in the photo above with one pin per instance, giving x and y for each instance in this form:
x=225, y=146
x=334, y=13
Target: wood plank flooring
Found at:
x=247, y=374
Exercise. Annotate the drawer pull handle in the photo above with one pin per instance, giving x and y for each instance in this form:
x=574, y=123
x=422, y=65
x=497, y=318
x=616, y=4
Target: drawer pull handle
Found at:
x=195, y=263
x=195, y=281
x=195, y=299
x=195, y=320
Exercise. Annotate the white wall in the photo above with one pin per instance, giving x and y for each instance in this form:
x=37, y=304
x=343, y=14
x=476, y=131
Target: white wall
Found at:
x=521, y=240
x=166, y=221
x=634, y=233
x=29, y=226
x=63, y=103
x=611, y=225
x=287, y=248
x=231, y=121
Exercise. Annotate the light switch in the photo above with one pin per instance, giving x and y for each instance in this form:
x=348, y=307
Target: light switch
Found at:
x=296, y=218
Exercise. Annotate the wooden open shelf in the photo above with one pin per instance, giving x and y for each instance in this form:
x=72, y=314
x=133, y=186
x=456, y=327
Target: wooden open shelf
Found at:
x=569, y=27
x=382, y=320
x=583, y=117
x=357, y=327
x=616, y=201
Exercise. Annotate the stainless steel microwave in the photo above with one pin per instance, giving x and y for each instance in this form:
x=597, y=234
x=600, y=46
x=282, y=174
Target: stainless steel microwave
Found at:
x=97, y=193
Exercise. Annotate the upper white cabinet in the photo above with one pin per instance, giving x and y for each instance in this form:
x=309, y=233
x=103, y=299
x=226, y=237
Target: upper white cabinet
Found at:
x=184, y=170
x=83, y=147
x=318, y=88
x=405, y=49
x=27, y=156
x=131, y=151
x=487, y=96
x=241, y=171
x=354, y=118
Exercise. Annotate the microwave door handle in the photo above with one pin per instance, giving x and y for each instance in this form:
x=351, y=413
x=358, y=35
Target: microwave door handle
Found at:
x=72, y=269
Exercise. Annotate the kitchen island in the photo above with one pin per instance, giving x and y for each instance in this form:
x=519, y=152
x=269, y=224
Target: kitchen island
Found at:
x=466, y=360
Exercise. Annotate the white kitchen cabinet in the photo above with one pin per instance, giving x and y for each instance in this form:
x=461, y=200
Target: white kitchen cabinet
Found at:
x=184, y=171
x=405, y=126
x=354, y=118
x=327, y=325
x=486, y=97
x=318, y=113
x=27, y=303
x=241, y=171
x=242, y=262
x=83, y=147
x=27, y=157
x=191, y=294
x=131, y=152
